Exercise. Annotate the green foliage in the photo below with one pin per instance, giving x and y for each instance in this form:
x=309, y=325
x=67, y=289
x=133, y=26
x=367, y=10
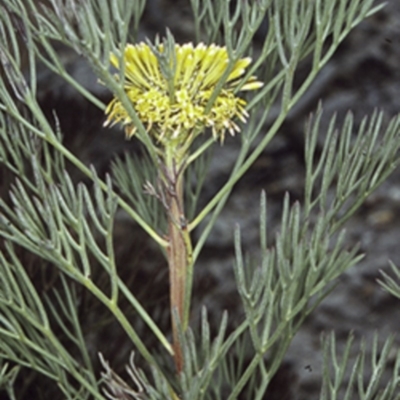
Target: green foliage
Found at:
x=358, y=385
x=67, y=227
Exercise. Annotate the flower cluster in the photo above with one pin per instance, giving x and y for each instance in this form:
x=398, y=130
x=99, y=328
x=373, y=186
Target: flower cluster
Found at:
x=176, y=116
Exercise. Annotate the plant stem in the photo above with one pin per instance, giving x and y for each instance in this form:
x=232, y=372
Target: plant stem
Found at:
x=179, y=253
x=177, y=263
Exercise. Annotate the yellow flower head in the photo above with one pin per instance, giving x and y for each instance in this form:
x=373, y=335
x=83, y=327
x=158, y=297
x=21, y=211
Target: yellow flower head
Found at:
x=176, y=116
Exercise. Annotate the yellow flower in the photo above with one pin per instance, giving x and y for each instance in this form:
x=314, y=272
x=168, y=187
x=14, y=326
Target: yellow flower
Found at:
x=179, y=115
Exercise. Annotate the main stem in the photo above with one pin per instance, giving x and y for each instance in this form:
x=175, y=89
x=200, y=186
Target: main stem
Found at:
x=179, y=254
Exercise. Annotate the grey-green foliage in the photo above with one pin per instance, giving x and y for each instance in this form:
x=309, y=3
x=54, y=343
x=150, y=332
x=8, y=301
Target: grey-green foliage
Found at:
x=337, y=385
x=69, y=226
x=392, y=285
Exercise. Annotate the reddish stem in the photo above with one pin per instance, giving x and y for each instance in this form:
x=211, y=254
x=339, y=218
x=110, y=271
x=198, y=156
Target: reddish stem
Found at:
x=177, y=262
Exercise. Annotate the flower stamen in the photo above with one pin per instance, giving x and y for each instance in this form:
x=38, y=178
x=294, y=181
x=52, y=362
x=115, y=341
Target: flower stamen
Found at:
x=197, y=71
